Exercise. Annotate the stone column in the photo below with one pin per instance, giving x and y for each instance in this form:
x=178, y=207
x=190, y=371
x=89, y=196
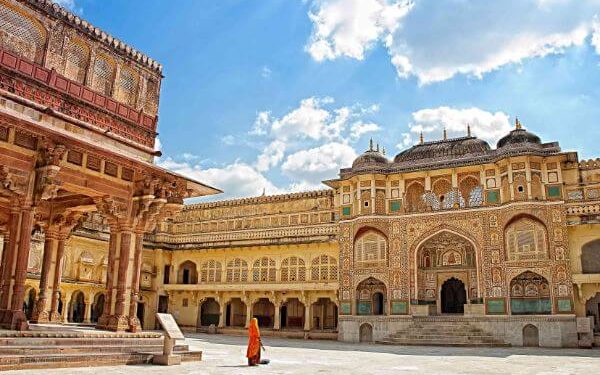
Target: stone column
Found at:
x=58, y=264
x=87, y=315
x=249, y=305
x=119, y=320
x=307, y=315
x=3, y=260
x=9, y=257
x=41, y=313
x=222, y=312
x=110, y=271
x=134, y=322
x=65, y=307
x=277, y=322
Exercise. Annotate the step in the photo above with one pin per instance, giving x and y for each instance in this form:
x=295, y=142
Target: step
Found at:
x=435, y=343
x=96, y=341
x=72, y=349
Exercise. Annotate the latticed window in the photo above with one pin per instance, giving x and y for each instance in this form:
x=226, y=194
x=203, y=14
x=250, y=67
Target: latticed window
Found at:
x=128, y=85
x=103, y=75
x=210, y=272
x=263, y=270
x=293, y=269
x=21, y=34
x=237, y=271
x=370, y=250
x=76, y=61
x=324, y=267
x=526, y=240
x=151, y=102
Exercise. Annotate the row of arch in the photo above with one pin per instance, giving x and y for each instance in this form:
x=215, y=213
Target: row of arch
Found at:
x=264, y=269
x=75, y=308
x=442, y=195
x=22, y=34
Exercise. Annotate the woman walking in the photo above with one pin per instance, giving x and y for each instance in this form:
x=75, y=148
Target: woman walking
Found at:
x=254, y=344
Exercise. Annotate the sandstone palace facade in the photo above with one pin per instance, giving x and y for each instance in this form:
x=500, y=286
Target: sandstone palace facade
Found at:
x=505, y=239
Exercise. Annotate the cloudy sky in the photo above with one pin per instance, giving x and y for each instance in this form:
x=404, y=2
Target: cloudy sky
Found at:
x=276, y=95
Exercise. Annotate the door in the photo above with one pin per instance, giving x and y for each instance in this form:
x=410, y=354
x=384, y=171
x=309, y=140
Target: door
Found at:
x=454, y=296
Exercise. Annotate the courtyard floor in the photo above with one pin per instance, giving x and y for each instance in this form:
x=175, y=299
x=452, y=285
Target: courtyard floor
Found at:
x=225, y=355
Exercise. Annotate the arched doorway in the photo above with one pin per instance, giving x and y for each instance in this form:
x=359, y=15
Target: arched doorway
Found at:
x=371, y=297
x=209, y=313
x=292, y=314
x=531, y=336
x=590, y=257
x=98, y=307
x=29, y=303
x=366, y=333
x=235, y=313
x=530, y=294
x=77, y=307
x=453, y=296
x=592, y=308
x=264, y=311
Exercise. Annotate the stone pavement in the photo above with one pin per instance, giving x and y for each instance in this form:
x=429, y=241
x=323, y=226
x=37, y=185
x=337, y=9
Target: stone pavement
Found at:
x=225, y=355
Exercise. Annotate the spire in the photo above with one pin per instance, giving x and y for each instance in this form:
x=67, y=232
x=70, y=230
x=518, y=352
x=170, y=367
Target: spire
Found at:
x=445, y=134
x=383, y=150
x=421, y=138
x=468, y=130
x=371, y=144
x=377, y=147
x=264, y=193
x=518, y=123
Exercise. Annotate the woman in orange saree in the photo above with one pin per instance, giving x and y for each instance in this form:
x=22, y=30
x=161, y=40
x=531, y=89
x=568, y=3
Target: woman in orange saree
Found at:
x=254, y=344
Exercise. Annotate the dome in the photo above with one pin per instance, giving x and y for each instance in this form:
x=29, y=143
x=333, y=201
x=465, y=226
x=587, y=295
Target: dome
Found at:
x=447, y=148
x=519, y=137
x=369, y=158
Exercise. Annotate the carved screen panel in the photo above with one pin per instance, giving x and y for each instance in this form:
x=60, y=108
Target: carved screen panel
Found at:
x=128, y=86
x=20, y=33
x=77, y=55
x=103, y=75
x=263, y=270
x=237, y=271
x=370, y=250
x=211, y=271
x=324, y=267
x=293, y=269
x=526, y=240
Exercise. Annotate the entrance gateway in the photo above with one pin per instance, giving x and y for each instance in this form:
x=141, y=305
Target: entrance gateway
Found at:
x=453, y=296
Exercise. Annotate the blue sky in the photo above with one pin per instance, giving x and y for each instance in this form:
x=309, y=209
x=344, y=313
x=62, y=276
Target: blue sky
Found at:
x=277, y=95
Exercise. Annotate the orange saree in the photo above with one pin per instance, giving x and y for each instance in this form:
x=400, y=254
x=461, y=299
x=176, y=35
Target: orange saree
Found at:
x=253, y=352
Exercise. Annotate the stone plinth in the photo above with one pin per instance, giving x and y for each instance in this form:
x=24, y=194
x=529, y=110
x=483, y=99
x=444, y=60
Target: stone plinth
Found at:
x=422, y=310
x=474, y=310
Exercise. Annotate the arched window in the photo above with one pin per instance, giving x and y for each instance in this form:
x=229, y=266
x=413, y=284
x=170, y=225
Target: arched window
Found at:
x=103, y=74
x=471, y=191
x=293, y=269
x=536, y=186
x=324, y=267
x=127, y=86
x=77, y=55
x=187, y=273
x=442, y=189
x=20, y=33
x=263, y=270
x=590, y=257
x=414, y=196
x=526, y=240
x=210, y=272
x=370, y=250
x=237, y=271
x=530, y=294
x=519, y=186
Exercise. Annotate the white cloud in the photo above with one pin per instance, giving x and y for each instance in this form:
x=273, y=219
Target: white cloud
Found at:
x=432, y=122
x=435, y=40
x=316, y=164
x=350, y=27
x=236, y=179
x=266, y=72
x=271, y=156
x=360, y=128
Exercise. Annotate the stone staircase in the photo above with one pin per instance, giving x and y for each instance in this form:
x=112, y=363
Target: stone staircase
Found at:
x=55, y=349
x=443, y=331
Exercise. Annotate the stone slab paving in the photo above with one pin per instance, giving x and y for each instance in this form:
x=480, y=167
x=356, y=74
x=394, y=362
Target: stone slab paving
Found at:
x=224, y=355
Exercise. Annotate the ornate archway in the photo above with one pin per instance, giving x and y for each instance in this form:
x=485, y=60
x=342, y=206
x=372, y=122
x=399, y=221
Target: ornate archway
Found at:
x=371, y=297
x=530, y=294
x=453, y=296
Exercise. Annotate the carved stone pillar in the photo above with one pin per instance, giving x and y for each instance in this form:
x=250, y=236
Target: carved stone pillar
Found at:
x=249, y=306
x=8, y=260
x=307, y=315
x=134, y=322
x=41, y=313
x=55, y=316
x=87, y=315
x=110, y=272
x=119, y=320
x=222, y=312
x=277, y=317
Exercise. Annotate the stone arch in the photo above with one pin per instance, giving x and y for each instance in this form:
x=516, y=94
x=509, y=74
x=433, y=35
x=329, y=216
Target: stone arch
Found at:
x=21, y=33
x=365, y=333
x=235, y=312
x=413, y=196
x=370, y=248
x=29, y=302
x=187, y=273
x=530, y=294
x=470, y=260
x=98, y=306
x=525, y=238
x=371, y=297
x=127, y=86
x=77, y=307
x=590, y=257
x=103, y=74
x=536, y=186
x=324, y=313
x=264, y=310
x=292, y=313
x=531, y=336
x=77, y=56
x=519, y=186
x=209, y=312
x=442, y=187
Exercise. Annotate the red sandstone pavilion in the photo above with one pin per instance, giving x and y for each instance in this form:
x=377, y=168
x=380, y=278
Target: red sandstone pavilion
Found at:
x=78, y=119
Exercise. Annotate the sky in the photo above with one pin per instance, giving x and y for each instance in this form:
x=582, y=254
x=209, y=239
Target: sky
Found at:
x=275, y=96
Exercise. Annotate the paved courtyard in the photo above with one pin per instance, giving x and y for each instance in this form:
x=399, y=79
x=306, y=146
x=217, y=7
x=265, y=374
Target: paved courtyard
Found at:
x=225, y=355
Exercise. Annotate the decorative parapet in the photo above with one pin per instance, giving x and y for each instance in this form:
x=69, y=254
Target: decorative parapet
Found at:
x=589, y=164
x=54, y=10
x=591, y=208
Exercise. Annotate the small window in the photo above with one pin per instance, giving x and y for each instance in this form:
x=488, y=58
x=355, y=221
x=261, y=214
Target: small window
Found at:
x=520, y=188
x=366, y=203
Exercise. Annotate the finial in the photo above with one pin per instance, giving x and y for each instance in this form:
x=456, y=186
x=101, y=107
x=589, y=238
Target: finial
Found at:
x=445, y=134
x=371, y=144
x=383, y=150
x=421, y=138
x=264, y=193
x=468, y=130
x=377, y=147
x=518, y=123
